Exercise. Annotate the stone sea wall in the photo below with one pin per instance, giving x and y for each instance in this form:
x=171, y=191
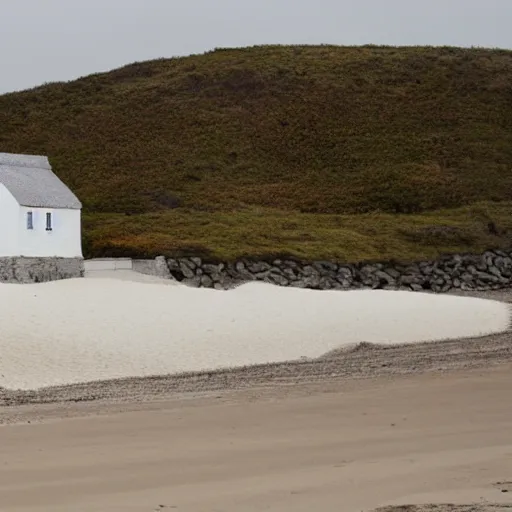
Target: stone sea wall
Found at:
x=487, y=271
x=490, y=270
x=38, y=270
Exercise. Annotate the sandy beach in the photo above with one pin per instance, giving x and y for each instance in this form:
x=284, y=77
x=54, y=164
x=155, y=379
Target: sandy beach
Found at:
x=355, y=428
x=84, y=330
x=337, y=445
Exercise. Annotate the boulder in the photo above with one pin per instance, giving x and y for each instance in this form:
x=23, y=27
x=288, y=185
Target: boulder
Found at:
x=258, y=267
x=186, y=269
x=194, y=282
x=206, y=281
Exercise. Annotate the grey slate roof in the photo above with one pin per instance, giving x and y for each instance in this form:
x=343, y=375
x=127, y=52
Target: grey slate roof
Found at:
x=29, y=178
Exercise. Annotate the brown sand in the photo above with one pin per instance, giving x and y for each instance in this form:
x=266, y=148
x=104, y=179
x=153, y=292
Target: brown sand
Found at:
x=371, y=427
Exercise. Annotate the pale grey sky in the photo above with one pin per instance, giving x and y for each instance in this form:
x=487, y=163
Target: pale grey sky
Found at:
x=54, y=40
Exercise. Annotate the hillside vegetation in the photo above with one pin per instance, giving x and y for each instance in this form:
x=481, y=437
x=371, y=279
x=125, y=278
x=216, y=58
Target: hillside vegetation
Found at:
x=345, y=153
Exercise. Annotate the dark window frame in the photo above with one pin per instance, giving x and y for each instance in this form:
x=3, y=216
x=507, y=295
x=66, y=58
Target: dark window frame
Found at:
x=30, y=220
x=49, y=226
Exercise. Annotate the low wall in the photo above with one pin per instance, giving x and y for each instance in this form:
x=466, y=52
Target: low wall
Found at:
x=490, y=270
x=157, y=267
x=38, y=270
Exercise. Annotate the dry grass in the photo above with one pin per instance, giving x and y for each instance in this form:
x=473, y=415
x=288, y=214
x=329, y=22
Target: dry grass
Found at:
x=332, y=152
x=269, y=233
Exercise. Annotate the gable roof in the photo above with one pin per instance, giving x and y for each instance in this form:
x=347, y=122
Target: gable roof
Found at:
x=29, y=178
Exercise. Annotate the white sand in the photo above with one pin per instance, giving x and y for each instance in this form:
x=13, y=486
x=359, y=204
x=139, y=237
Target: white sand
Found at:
x=81, y=330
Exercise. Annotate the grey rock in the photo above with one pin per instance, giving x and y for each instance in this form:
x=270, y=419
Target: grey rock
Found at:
x=308, y=282
x=494, y=271
x=187, y=262
x=346, y=272
x=238, y=272
x=228, y=283
x=427, y=270
x=499, y=262
x=486, y=277
x=472, y=269
x=277, y=279
x=411, y=279
x=369, y=269
x=209, y=268
x=258, y=267
x=261, y=276
x=488, y=257
x=456, y=272
x=173, y=265
x=196, y=261
x=346, y=282
x=466, y=277
x=231, y=271
x=194, y=282
x=325, y=266
x=392, y=272
x=187, y=272
x=325, y=284
x=206, y=281
x=290, y=274
x=161, y=268
x=217, y=277
x=310, y=271
x=383, y=277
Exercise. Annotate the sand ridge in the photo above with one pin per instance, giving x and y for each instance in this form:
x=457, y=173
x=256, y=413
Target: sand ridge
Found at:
x=82, y=330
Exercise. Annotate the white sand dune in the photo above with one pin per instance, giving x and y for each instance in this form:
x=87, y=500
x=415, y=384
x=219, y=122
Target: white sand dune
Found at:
x=82, y=330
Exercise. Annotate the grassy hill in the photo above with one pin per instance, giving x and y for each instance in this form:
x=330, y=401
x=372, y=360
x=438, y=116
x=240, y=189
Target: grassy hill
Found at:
x=345, y=153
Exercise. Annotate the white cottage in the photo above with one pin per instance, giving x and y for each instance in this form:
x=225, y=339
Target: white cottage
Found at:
x=39, y=215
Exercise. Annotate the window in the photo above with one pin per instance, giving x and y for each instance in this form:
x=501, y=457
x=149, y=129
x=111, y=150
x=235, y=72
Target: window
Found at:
x=48, y=221
x=30, y=220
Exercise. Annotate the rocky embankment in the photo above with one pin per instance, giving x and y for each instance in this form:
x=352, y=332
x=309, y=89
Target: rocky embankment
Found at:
x=488, y=271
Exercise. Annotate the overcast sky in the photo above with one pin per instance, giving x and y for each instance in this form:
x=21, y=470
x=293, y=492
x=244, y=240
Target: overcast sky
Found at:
x=53, y=40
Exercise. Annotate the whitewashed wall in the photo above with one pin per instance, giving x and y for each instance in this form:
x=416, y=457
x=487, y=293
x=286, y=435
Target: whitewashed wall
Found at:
x=64, y=240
